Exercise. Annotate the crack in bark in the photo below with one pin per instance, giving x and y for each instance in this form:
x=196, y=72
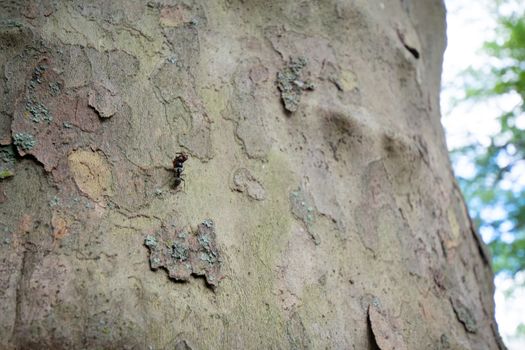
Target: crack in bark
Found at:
x=482, y=249
x=23, y=278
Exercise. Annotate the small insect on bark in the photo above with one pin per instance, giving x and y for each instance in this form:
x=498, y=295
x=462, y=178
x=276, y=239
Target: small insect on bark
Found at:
x=178, y=167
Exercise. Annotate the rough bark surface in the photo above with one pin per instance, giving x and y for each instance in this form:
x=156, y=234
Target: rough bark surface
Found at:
x=316, y=149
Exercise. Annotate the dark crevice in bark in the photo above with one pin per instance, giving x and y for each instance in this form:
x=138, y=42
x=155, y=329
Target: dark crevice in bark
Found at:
x=413, y=51
x=372, y=343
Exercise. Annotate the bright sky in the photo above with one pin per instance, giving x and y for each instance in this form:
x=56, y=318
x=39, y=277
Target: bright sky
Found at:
x=469, y=24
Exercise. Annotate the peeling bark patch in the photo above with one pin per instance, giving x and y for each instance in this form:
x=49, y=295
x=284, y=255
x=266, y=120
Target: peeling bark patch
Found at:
x=104, y=101
x=185, y=45
x=198, y=139
x=377, y=208
x=92, y=173
x=367, y=228
x=464, y=315
x=171, y=81
x=244, y=181
x=385, y=335
x=344, y=80
x=45, y=113
x=175, y=16
x=302, y=206
x=249, y=108
x=291, y=85
x=298, y=269
x=175, y=80
x=184, y=253
x=117, y=66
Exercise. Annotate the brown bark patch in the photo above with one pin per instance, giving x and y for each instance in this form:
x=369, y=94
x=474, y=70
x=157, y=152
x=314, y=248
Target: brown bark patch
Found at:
x=47, y=121
x=25, y=225
x=60, y=229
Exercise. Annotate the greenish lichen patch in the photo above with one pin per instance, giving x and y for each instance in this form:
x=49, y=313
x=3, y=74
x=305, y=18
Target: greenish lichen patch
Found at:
x=291, y=83
x=7, y=162
x=37, y=76
x=54, y=202
x=183, y=252
x=5, y=173
x=38, y=112
x=55, y=87
x=24, y=141
x=172, y=59
x=9, y=23
x=179, y=252
x=150, y=242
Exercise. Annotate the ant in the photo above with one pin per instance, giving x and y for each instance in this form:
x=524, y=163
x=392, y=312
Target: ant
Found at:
x=178, y=166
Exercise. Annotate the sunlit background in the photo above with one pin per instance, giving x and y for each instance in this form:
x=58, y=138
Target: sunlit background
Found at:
x=470, y=23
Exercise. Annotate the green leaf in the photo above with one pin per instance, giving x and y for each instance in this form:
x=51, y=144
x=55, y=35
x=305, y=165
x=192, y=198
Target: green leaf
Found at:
x=497, y=164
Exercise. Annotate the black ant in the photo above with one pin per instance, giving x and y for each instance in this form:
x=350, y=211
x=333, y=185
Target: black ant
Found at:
x=178, y=166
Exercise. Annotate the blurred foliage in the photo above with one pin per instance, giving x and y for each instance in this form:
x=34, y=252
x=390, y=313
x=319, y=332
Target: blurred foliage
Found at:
x=520, y=330
x=495, y=192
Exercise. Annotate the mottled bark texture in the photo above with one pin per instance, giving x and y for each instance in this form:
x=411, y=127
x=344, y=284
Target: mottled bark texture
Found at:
x=318, y=199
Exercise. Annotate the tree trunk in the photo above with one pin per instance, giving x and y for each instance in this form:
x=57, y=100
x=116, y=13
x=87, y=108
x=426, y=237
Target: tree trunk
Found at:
x=317, y=207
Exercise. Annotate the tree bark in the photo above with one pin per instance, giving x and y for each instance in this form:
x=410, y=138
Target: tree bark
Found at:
x=317, y=207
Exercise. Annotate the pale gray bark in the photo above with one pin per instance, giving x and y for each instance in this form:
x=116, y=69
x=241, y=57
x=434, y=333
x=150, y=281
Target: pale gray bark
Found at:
x=318, y=172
